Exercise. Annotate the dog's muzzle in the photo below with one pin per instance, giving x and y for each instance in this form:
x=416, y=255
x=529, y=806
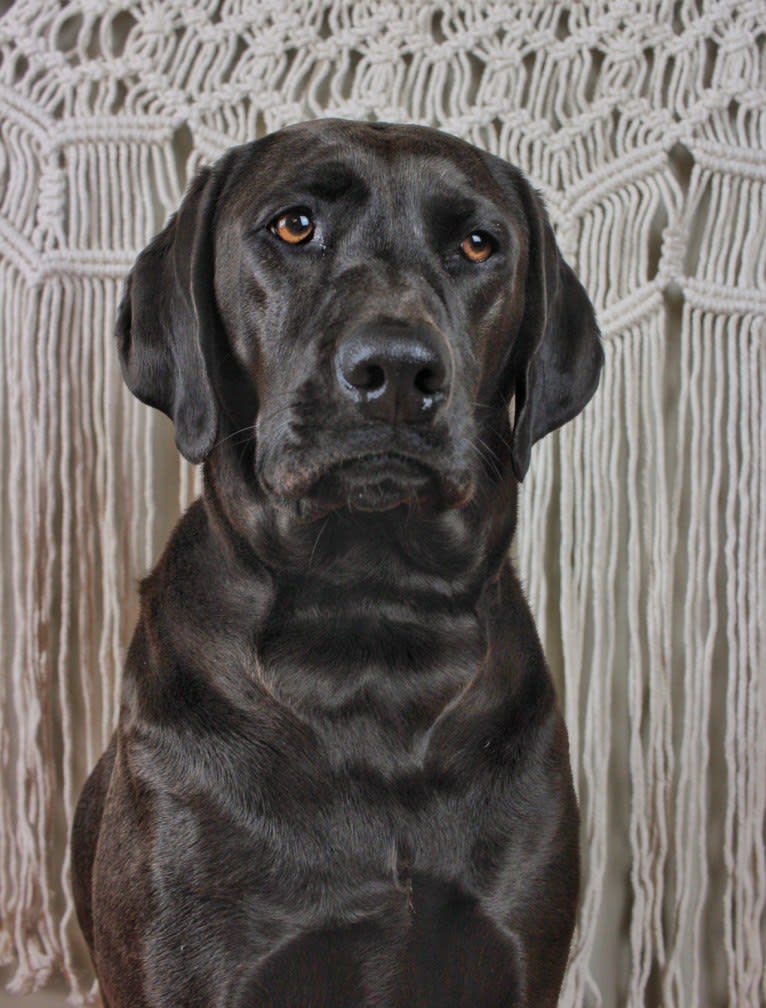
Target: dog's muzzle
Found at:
x=393, y=372
x=390, y=444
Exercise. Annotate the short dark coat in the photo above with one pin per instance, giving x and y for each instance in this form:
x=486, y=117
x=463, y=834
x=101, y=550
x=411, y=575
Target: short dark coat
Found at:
x=340, y=775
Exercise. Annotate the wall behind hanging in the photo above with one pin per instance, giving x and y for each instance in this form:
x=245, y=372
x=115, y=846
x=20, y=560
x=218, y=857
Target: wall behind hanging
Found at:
x=642, y=537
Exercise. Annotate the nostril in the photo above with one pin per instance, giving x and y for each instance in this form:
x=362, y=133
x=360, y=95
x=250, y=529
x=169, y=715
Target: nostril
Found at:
x=375, y=378
x=429, y=381
x=362, y=375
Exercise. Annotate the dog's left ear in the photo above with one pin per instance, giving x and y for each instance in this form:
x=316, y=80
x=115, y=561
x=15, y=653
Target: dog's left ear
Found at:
x=557, y=356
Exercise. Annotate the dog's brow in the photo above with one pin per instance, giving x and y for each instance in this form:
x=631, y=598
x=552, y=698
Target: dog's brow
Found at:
x=331, y=180
x=453, y=203
x=451, y=209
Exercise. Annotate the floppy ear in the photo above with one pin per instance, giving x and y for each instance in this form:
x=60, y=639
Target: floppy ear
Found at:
x=557, y=357
x=167, y=321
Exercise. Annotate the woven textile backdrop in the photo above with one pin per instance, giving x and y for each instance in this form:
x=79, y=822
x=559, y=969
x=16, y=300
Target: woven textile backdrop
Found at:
x=642, y=533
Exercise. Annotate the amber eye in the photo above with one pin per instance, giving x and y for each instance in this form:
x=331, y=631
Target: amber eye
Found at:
x=477, y=247
x=294, y=227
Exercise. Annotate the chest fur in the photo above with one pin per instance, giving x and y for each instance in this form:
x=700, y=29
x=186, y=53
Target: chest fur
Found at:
x=370, y=676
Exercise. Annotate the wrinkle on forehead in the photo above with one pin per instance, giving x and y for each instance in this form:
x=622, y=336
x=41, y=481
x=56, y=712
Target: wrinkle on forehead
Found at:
x=383, y=157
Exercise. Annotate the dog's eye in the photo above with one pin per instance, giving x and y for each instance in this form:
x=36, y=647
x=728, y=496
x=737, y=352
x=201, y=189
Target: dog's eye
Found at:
x=294, y=227
x=477, y=247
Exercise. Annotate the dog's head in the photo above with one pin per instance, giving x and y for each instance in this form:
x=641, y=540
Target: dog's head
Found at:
x=363, y=301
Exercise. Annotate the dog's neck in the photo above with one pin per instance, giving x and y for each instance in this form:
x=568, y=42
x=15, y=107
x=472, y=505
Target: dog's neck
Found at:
x=357, y=554
x=357, y=601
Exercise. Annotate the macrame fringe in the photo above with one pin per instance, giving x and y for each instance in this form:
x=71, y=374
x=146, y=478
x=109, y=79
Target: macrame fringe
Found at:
x=642, y=525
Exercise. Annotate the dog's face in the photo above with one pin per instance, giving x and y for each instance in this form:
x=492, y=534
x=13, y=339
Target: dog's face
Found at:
x=364, y=301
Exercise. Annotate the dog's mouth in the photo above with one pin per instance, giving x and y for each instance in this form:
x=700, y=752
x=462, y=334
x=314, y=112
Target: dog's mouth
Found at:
x=377, y=482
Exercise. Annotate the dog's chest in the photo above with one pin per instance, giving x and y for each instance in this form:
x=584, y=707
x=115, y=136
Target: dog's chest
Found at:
x=356, y=690
x=324, y=802
x=341, y=790
x=370, y=676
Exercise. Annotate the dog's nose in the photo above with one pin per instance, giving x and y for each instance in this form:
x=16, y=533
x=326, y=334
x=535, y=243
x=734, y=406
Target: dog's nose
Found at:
x=394, y=371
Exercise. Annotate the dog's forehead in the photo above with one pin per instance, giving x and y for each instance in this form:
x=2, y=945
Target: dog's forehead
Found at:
x=334, y=155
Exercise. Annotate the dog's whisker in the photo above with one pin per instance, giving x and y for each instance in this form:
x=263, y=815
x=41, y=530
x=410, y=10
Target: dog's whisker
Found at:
x=249, y=428
x=316, y=541
x=486, y=447
x=267, y=417
x=485, y=453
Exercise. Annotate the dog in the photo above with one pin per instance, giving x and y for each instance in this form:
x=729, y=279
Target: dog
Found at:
x=340, y=776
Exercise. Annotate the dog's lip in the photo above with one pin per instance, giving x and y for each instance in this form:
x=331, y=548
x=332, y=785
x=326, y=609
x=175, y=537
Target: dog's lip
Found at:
x=387, y=460
x=379, y=481
x=373, y=481
x=377, y=476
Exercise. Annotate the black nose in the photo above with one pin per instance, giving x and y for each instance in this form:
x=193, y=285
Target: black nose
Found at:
x=394, y=370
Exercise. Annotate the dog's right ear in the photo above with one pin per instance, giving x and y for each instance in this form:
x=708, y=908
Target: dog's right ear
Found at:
x=167, y=321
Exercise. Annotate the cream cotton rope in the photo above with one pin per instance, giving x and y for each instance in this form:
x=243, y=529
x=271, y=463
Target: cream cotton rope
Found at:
x=642, y=525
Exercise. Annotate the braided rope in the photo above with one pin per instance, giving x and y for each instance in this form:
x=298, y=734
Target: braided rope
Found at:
x=642, y=534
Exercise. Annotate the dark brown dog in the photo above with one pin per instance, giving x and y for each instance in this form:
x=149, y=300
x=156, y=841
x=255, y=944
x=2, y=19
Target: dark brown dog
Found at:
x=340, y=775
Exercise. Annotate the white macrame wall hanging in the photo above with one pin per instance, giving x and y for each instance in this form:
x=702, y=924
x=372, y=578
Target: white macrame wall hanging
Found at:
x=642, y=532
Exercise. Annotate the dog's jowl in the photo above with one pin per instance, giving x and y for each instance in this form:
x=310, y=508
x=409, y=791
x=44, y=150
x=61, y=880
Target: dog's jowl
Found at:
x=340, y=775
